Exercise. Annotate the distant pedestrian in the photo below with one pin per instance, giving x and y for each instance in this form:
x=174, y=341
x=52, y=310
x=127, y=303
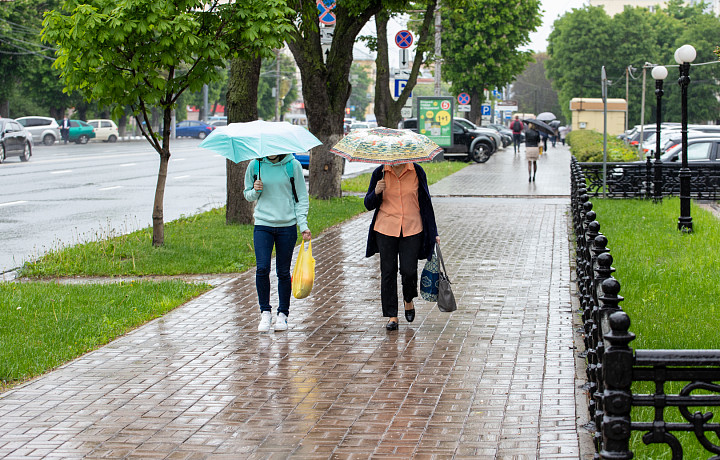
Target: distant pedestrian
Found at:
x=403, y=227
x=517, y=128
x=544, y=137
x=532, y=151
x=279, y=209
x=563, y=131
x=65, y=129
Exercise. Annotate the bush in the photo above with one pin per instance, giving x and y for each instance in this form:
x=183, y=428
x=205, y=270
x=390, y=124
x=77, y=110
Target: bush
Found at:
x=587, y=146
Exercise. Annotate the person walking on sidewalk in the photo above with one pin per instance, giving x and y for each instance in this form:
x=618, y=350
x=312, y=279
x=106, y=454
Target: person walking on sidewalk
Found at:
x=281, y=206
x=517, y=129
x=403, y=227
x=65, y=129
x=532, y=151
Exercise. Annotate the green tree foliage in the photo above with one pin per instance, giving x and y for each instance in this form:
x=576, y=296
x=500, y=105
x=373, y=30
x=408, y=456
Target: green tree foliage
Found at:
x=146, y=53
x=361, y=88
x=268, y=72
x=481, y=41
x=633, y=38
x=31, y=86
x=533, y=90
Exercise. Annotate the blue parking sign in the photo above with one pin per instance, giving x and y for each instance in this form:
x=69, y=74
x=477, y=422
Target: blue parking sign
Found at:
x=485, y=110
x=400, y=86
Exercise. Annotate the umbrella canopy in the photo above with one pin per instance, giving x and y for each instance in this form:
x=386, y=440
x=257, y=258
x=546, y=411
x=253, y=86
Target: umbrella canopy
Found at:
x=555, y=123
x=386, y=146
x=540, y=125
x=546, y=116
x=256, y=139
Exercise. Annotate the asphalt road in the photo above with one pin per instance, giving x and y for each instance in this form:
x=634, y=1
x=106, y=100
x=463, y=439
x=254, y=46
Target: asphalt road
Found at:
x=73, y=193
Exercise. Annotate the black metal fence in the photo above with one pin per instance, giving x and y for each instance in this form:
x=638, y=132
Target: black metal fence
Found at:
x=613, y=366
x=638, y=180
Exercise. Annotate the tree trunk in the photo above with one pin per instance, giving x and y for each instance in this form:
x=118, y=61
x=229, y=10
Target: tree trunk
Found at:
x=387, y=110
x=475, y=114
x=326, y=88
x=241, y=107
x=5, y=108
x=157, y=215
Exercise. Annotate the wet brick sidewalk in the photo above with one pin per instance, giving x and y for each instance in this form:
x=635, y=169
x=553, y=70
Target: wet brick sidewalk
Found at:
x=493, y=380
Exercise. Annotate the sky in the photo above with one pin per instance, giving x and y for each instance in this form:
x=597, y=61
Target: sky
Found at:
x=552, y=9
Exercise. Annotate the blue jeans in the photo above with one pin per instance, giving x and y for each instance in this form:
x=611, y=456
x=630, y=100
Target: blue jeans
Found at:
x=284, y=239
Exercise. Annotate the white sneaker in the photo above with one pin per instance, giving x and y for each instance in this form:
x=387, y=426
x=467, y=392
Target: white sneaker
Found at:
x=265, y=321
x=281, y=322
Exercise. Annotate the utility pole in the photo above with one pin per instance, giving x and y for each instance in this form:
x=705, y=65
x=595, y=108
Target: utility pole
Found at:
x=642, y=115
x=603, y=86
x=277, y=84
x=627, y=94
x=438, y=50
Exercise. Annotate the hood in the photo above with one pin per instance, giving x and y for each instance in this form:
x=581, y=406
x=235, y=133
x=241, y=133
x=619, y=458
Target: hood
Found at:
x=288, y=157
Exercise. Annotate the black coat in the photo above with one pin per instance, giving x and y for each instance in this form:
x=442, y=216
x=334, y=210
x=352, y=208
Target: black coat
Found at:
x=427, y=215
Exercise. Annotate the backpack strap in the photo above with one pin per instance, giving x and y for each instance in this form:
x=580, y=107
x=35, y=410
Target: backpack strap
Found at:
x=289, y=169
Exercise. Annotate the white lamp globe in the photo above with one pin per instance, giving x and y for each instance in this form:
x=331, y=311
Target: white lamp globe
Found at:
x=659, y=72
x=687, y=53
x=677, y=56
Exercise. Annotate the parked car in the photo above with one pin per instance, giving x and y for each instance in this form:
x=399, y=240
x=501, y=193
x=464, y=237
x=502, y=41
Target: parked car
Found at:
x=80, y=132
x=359, y=125
x=467, y=124
x=505, y=133
x=701, y=150
x=105, y=130
x=193, y=128
x=15, y=140
x=472, y=143
x=217, y=123
x=42, y=129
x=304, y=159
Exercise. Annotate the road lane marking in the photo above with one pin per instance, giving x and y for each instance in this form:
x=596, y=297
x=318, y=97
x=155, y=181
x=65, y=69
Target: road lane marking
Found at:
x=128, y=164
x=12, y=203
x=111, y=188
x=182, y=177
x=64, y=171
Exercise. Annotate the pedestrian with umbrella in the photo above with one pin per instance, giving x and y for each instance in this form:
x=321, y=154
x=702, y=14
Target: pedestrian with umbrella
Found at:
x=274, y=181
x=403, y=227
x=532, y=150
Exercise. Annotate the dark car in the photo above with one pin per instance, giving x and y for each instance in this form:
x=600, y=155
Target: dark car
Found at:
x=14, y=140
x=504, y=131
x=193, y=128
x=467, y=142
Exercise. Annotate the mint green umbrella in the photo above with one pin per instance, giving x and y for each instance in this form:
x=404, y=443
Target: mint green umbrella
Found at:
x=257, y=139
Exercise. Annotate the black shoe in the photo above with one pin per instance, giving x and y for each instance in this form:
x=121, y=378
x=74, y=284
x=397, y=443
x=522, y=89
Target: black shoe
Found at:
x=410, y=315
x=530, y=179
x=533, y=178
x=391, y=325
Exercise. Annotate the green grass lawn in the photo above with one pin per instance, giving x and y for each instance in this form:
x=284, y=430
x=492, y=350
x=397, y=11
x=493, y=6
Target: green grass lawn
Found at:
x=43, y=325
x=198, y=244
x=670, y=282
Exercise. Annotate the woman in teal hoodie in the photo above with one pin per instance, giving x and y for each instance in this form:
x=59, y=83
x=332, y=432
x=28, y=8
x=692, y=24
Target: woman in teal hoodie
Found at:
x=277, y=186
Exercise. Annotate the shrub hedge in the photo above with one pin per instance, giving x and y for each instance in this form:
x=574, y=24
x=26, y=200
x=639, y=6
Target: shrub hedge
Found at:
x=587, y=146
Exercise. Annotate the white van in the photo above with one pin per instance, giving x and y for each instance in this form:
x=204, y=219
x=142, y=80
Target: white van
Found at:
x=105, y=130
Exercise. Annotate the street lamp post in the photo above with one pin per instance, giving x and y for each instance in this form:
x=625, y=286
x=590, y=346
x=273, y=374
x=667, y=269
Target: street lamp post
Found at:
x=659, y=73
x=684, y=56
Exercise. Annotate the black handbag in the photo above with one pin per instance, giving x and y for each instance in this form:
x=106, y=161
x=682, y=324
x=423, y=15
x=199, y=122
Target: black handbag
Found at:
x=445, y=297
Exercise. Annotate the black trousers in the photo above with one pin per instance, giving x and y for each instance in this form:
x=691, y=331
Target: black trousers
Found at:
x=406, y=249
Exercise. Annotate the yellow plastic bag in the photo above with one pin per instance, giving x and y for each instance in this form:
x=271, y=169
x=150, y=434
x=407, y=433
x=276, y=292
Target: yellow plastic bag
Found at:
x=540, y=150
x=304, y=272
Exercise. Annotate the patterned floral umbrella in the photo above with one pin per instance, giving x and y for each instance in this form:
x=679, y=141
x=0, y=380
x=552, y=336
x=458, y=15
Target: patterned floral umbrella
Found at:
x=386, y=146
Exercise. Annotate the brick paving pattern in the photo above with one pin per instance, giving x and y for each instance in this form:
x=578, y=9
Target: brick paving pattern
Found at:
x=493, y=380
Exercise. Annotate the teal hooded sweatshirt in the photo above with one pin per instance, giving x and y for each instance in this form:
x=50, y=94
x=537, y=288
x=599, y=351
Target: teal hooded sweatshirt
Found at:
x=275, y=205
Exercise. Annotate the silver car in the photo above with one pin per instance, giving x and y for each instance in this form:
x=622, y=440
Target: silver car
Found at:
x=43, y=129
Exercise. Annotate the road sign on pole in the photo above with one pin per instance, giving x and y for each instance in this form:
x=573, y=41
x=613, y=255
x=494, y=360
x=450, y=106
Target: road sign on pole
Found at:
x=403, y=39
x=485, y=111
x=404, y=61
x=325, y=14
x=463, y=98
x=399, y=86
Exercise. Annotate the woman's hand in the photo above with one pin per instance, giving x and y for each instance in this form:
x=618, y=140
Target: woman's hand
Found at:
x=380, y=187
x=258, y=185
x=437, y=239
x=306, y=235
